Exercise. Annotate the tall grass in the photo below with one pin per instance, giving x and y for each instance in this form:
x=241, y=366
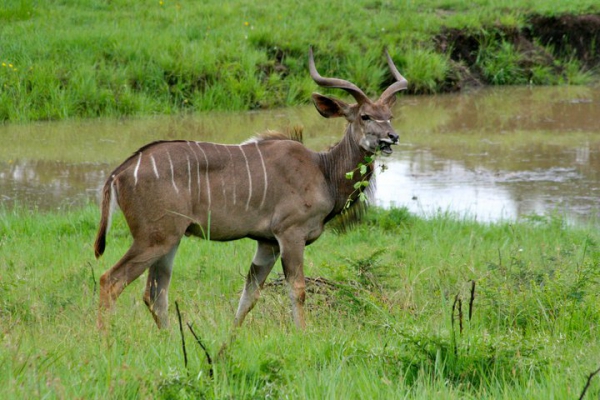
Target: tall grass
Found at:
x=392, y=312
x=62, y=59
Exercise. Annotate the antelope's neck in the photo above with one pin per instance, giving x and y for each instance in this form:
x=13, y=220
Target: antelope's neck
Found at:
x=344, y=157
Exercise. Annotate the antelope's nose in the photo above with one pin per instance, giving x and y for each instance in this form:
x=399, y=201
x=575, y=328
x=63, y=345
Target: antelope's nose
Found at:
x=394, y=137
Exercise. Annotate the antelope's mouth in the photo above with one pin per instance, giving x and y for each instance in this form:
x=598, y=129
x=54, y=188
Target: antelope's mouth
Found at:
x=385, y=146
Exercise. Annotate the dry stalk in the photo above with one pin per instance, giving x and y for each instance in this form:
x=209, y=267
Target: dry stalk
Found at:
x=93, y=277
x=208, y=358
x=587, y=384
x=454, y=306
x=471, y=300
x=185, y=359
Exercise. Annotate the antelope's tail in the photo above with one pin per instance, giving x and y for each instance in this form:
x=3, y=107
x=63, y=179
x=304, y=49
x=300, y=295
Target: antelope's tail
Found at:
x=108, y=198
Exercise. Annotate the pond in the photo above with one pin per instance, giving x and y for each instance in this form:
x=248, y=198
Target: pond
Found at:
x=490, y=154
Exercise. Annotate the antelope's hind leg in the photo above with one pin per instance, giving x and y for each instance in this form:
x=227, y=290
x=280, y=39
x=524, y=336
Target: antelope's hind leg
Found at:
x=262, y=264
x=156, y=295
x=136, y=260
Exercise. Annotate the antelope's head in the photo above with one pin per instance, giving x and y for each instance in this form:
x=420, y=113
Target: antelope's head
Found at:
x=370, y=120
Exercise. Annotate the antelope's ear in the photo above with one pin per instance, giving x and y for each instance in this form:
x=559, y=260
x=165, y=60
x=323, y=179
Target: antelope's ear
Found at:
x=330, y=107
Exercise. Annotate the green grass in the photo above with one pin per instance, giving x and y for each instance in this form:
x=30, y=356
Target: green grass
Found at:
x=65, y=59
x=386, y=325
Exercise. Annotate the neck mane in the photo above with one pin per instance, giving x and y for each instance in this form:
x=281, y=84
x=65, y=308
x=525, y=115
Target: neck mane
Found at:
x=342, y=158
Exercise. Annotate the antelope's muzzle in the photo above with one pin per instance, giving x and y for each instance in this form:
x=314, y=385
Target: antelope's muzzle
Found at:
x=385, y=145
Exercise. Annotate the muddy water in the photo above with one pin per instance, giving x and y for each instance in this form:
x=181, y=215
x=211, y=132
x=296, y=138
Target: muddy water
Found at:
x=489, y=154
x=500, y=153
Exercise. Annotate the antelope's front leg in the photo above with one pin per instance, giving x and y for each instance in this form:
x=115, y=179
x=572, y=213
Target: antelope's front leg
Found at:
x=292, y=259
x=264, y=259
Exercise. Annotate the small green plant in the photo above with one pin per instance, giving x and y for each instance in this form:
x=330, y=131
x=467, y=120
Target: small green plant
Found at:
x=364, y=170
x=426, y=69
x=370, y=273
x=575, y=74
x=501, y=64
x=393, y=219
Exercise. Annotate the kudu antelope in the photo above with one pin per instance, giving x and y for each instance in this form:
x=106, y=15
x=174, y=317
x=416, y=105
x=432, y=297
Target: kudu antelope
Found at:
x=269, y=189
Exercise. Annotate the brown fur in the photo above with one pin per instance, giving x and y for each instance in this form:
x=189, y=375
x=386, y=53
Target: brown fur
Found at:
x=270, y=189
x=294, y=133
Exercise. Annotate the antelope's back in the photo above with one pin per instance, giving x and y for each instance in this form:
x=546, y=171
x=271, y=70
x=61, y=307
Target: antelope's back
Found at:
x=219, y=191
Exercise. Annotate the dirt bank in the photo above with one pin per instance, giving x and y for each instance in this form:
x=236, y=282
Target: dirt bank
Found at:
x=542, y=49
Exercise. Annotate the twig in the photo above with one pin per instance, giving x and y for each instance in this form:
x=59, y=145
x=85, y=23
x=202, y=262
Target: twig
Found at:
x=208, y=358
x=499, y=258
x=457, y=304
x=456, y=299
x=454, y=309
x=185, y=359
x=589, y=381
x=460, y=315
x=471, y=299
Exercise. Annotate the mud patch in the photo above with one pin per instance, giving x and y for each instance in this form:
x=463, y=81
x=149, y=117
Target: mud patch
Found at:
x=569, y=35
x=539, y=46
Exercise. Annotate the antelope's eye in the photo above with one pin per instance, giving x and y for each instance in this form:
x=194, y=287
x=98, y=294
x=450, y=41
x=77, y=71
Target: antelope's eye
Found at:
x=365, y=117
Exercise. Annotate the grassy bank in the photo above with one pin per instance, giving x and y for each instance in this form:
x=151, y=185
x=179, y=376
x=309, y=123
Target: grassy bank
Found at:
x=63, y=59
x=393, y=314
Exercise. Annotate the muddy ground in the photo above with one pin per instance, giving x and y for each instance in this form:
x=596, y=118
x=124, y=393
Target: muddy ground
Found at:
x=547, y=41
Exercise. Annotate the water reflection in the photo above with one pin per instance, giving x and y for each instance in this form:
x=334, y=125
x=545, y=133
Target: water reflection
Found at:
x=491, y=154
x=427, y=185
x=501, y=154
x=49, y=184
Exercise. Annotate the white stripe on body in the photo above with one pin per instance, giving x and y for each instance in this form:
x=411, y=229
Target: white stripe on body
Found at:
x=233, y=174
x=223, y=185
x=262, y=160
x=189, y=174
x=249, y=178
x=172, y=173
x=197, y=167
x=154, y=166
x=206, y=174
x=137, y=167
